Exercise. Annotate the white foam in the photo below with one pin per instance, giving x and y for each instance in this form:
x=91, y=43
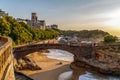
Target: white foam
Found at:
x=60, y=55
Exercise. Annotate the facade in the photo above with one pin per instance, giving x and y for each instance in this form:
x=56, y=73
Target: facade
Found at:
x=42, y=24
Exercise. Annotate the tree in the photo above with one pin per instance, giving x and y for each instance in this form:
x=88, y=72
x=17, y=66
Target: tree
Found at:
x=23, y=33
x=4, y=27
x=110, y=39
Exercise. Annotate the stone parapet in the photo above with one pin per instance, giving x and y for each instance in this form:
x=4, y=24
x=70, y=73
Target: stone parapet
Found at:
x=6, y=59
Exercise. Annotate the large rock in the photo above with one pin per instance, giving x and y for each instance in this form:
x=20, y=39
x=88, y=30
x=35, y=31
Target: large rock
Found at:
x=102, y=61
x=26, y=64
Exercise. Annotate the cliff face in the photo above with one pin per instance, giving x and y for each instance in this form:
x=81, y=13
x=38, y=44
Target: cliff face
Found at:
x=102, y=61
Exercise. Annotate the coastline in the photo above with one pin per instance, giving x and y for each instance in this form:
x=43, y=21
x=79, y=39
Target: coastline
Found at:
x=51, y=68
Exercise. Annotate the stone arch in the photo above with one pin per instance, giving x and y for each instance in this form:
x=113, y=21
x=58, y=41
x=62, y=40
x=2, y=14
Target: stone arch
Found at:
x=77, y=51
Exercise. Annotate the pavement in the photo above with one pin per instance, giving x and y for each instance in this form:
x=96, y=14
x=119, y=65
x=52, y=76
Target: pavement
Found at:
x=20, y=76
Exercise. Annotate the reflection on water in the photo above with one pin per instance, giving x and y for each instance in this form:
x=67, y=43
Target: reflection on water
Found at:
x=92, y=76
x=71, y=75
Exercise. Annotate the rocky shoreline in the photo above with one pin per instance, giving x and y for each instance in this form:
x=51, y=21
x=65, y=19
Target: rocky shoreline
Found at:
x=104, y=62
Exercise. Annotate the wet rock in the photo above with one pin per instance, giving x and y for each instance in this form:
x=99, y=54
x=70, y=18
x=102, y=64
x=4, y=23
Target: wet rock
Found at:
x=59, y=63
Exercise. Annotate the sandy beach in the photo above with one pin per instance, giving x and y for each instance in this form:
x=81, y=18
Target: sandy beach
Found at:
x=51, y=68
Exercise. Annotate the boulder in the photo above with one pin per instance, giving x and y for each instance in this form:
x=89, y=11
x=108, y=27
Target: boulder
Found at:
x=26, y=64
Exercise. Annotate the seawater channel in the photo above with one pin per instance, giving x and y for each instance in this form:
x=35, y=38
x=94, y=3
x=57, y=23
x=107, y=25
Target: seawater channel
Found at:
x=76, y=74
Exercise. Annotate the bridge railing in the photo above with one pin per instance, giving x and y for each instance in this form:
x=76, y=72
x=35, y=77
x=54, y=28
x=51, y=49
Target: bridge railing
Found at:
x=5, y=52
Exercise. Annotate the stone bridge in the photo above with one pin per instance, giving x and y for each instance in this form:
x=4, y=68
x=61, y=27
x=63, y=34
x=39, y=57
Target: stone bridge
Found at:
x=86, y=51
x=99, y=58
x=80, y=51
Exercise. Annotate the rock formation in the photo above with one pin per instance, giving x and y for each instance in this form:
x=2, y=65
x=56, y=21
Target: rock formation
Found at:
x=103, y=61
x=26, y=64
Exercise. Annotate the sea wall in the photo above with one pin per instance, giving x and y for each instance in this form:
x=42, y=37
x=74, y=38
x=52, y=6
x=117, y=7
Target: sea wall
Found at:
x=6, y=59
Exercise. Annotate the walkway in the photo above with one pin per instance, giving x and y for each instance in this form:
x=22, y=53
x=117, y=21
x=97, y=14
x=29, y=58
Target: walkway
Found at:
x=20, y=76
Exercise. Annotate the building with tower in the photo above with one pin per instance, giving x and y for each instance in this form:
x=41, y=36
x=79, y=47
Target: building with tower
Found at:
x=34, y=22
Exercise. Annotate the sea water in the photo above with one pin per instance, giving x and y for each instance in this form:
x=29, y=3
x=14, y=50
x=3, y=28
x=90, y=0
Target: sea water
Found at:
x=60, y=55
x=66, y=56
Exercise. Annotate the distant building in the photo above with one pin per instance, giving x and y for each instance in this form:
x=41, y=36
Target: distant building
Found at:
x=34, y=22
x=42, y=24
x=54, y=26
x=3, y=14
x=48, y=27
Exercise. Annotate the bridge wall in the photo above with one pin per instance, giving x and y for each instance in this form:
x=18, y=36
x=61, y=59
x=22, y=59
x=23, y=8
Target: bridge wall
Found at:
x=6, y=59
x=78, y=51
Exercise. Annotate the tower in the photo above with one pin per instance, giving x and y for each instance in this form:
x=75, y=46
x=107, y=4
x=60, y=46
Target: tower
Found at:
x=33, y=19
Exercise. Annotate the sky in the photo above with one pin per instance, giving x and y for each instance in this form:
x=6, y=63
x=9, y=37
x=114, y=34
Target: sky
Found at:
x=69, y=14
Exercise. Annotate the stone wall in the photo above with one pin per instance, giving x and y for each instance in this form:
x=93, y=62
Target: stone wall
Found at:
x=6, y=59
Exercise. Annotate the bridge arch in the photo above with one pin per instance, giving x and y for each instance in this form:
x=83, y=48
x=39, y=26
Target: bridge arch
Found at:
x=77, y=51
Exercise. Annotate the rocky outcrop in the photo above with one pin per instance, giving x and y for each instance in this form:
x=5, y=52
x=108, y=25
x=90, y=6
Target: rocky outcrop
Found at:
x=26, y=64
x=103, y=61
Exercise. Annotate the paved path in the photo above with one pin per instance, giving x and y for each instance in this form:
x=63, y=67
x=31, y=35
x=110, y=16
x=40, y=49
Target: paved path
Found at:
x=20, y=76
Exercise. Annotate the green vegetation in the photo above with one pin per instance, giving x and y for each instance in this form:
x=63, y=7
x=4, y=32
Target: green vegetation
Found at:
x=86, y=33
x=110, y=39
x=23, y=33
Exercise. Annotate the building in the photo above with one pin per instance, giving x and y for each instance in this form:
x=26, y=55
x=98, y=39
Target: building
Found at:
x=35, y=23
x=53, y=26
x=3, y=14
x=42, y=24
